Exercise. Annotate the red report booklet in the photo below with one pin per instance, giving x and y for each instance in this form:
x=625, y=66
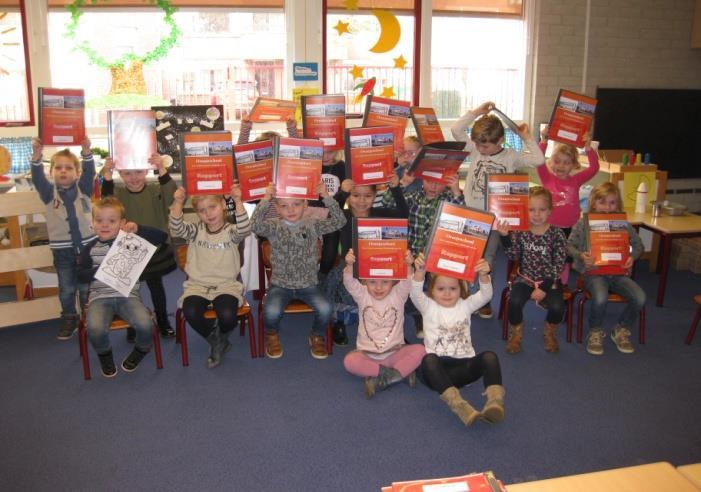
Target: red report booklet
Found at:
x=437, y=164
x=254, y=168
x=428, y=130
x=297, y=167
x=457, y=240
x=380, y=111
x=608, y=242
x=475, y=482
x=369, y=154
x=267, y=109
x=61, y=116
x=208, y=167
x=131, y=136
x=507, y=198
x=380, y=247
x=571, y=118
x=324, y=117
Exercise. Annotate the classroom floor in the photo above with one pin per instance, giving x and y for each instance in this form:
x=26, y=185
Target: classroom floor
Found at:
x=301, y=424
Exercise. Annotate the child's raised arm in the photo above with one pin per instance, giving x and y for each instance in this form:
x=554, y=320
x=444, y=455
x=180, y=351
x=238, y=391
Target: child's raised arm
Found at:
x=87, y=175
x=244, y=129
x=157, y=161
x=179, y=197
x=419, y=268
x=39, y=179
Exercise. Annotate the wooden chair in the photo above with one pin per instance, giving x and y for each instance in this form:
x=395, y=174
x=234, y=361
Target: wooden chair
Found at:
x=614, y=298
x=695, y=323
x=117, y=324
x=244, y=314
x=294, y=307
x=567, y=295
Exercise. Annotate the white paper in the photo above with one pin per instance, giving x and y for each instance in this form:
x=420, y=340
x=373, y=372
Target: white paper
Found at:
x=125, y=262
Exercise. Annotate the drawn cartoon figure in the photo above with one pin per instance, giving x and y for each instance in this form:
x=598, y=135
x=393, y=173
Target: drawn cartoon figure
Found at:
x=130, y=252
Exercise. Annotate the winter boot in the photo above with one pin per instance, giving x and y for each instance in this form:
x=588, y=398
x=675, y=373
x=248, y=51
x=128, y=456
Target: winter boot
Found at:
x=513, y=344
x=69, y=326
x=386, y=377
x=550, y=337
x=460, y=407
x=214, y=355
x=164, y=327
x=493, y=410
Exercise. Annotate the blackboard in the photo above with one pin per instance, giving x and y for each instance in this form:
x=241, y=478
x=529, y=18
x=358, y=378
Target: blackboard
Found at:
x=664, y=122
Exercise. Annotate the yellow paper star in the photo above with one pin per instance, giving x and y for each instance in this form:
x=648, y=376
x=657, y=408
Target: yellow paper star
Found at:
x=351, y=4
x=399, y=62
x=341, y=27
x=387, y=92
x=356, y=72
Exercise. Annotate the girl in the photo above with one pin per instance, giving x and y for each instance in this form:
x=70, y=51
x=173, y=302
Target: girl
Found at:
x=382, y=356
x=606, y=198
x=450, y=361
x=541, y=253
x=212, y=267
x=360, y=200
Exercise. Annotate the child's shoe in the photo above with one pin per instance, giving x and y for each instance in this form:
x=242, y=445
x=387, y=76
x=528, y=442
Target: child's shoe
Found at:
x=317, y=345
x=131, y=335
x=485, y=312
x=621, y=337
x=133, y=359
x=513, y=344
x=164, y=327
x=221, y=346
x=493, y=410
x=465, y=412
x=273, y=347
x=550, y=338
x=340, y=337
x=69, y=326
x=595, y=342
x=107, y=364
x=411, y=379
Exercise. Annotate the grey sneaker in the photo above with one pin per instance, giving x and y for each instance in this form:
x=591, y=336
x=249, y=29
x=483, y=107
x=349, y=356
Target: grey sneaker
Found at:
x=133, y=359
x=621, y=337
x=595, y=342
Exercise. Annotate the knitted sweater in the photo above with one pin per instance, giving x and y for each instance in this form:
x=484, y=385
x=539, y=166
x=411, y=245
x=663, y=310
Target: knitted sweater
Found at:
x=294, y=245
x=577, y=243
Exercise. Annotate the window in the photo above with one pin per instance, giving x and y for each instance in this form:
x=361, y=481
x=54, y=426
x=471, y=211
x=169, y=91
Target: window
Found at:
x=15, y=100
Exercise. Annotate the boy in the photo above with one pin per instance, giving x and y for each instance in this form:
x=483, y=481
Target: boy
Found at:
x=68, y=221
x=104, y=301
x=148, y=205
x=487, y=156
x=294, y=242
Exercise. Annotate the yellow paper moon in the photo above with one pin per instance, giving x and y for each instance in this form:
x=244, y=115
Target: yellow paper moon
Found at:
x=389, y=31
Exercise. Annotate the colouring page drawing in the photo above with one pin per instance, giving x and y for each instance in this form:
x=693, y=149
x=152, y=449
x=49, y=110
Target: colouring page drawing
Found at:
x=125, y=261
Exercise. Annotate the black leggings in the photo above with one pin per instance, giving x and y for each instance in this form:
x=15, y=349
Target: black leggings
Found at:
x=158, y=297
x=225, y=305
x=440, y=373
x=521, y=293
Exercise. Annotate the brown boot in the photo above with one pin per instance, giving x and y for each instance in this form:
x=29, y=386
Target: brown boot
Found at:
x=273, y=347
x=493, y=410
x=460, y=407
x=550, y=337
x=513, y=344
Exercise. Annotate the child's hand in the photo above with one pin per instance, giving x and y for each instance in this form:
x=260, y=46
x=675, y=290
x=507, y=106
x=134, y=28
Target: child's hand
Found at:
x=587, y=259
x=236, y=192
x=291, y=121
x=350, y=257
x=180, y=195
x=544, y=132
x=419, y=267
x=85, y=146
x=269, y=192
x=394, y=180
x=245, y=118
x=321, y=188
x=347, y=185
x=482, y=267
x=484, y=108
x=587, y=141
x=108, y=168
x=130, y=227
x=503, y=227
x=524, y=131
x=454, y=185
x=407, y=179
x=628, y=263
x=37, y=149
x=538, y=295
x=156, y=161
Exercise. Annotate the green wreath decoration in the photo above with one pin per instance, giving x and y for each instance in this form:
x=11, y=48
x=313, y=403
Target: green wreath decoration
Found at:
x=158, y=52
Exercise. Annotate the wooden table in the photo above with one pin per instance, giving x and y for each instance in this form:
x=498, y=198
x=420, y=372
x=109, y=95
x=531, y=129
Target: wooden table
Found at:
x=654, y=477
x=668, y=227
x=692, y=473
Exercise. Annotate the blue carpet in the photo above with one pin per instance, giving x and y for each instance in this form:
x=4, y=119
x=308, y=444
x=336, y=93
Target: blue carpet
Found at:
x=302, y=424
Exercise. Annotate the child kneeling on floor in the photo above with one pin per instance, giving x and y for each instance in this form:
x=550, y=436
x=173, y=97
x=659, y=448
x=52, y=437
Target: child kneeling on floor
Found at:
x=382, y=356
x=450, y=360
x=104, y=302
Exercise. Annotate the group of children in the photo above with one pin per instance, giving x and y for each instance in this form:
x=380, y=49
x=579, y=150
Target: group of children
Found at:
x=81, y=234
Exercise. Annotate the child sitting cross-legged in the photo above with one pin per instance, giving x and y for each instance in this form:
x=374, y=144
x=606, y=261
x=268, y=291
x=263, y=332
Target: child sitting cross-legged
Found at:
x=104, y=302
x=382, y=356
x=294, y=241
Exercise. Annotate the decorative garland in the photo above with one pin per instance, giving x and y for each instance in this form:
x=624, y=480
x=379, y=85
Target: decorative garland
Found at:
x=158, y=52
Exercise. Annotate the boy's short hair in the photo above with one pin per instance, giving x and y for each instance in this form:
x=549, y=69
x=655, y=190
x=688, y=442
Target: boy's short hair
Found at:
x=197, y=199
x=65, y=153
x=464, y=292
x=540, y=192
x=269, y=135
x=412, y=138
x=109, y=202
x=569, y=151
x=487, y=129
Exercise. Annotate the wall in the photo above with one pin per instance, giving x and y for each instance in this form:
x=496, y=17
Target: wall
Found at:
x=631, y=43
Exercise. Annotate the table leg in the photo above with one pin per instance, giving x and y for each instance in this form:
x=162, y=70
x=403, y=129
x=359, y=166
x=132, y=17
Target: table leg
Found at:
x=663, y=265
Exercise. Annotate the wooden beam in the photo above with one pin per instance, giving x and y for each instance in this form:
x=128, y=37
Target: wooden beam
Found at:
x=19, y=313
x=12, y=260
x=21, y=203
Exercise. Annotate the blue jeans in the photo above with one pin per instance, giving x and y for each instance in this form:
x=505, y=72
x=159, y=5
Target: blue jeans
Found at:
x=130, y=309
x=277, y=299
x=599, y=287
x=65, y=261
